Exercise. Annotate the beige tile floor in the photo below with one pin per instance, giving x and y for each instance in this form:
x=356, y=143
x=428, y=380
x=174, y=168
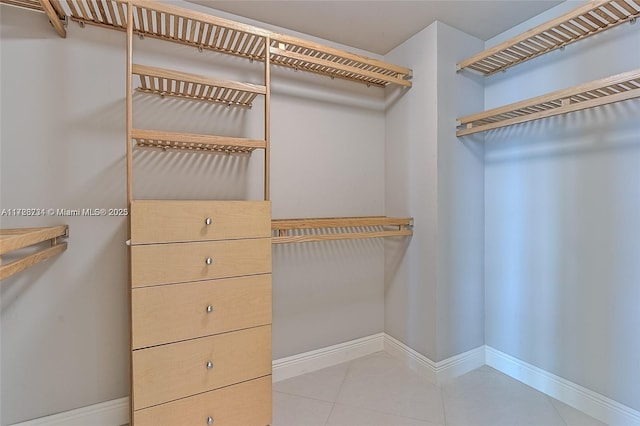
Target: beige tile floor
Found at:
x=378, y=390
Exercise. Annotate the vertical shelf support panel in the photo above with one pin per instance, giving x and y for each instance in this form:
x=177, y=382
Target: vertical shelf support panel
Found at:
x=129, y=104
x=129, y=125
x=267, y=118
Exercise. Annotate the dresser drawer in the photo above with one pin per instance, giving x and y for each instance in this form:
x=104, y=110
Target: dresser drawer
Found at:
x=168, y=313
x=246, y=404
x=183, y=262
x=169, y=372
x=160, y=221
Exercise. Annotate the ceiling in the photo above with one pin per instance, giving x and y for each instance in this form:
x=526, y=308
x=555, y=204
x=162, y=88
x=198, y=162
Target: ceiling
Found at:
x=378, y=26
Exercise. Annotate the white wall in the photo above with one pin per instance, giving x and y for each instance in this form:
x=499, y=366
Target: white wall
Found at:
x=562, y=201
x=64, y=330
x=65, y=321
x=433, y=295
x=460, y=201
x=411, y=190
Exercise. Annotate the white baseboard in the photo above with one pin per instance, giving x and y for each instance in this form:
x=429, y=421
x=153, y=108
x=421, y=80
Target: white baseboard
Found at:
x=116, y=412
x=286, y=368
x=110, y=413
x=436, y=372
x=598, y=406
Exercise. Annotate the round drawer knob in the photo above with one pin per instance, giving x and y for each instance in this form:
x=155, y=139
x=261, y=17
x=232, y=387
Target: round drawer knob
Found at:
x=209, y=365
x=208, y=261
x=209, y=308
x=208, y=221
x=209, y=420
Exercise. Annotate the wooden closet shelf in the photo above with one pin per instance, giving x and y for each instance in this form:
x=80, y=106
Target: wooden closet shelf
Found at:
x=191, y=86
x=342, y=228
x=195, y=142
x=333, y=66
x=201, y=30
x=589, y=95
x=16, y=239
x=585, y=21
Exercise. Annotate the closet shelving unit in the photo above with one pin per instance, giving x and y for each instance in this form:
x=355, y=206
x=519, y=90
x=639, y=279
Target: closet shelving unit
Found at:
x=174, y=24
x=205, y=263
x=160, y=20
x=204, y=31
x=589, y=19
x=592, y=18
x=339, y=228
x=12, y=240
x=596, y=93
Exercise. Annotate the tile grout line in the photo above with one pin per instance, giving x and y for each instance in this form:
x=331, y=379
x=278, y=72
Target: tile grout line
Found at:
x=304, y=396
x=376, y=410
x=556, y=410
x=326, y=422
x=346, y=373
x=444, y=410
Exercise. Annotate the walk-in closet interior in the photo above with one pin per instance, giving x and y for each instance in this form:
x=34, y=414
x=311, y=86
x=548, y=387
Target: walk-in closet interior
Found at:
x=197, y=203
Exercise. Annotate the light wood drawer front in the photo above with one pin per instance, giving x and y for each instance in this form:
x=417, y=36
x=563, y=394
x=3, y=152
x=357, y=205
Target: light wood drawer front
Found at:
x=163, y=221
x=169, y=372
x=246, y=404
x=173, y=263
x=168, y=313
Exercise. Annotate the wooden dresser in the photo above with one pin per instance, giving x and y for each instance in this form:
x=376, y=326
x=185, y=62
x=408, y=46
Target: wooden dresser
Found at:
x=201, y=312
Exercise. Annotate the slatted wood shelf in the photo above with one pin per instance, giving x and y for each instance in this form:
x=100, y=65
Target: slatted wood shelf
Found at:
x=307, y=56
x=165, y=82
x=195, y=142
x=585, y=21
x=15, y=239
x=608, y=90
x=338, y=228
x=201, y=30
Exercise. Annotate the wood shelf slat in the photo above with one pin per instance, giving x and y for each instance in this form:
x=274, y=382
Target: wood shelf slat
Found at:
x=16, y=239
x=343, y=228
x=201, y=30
x=608, y=90
x=583, y=21
x=195, y=142
x=163, y=82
